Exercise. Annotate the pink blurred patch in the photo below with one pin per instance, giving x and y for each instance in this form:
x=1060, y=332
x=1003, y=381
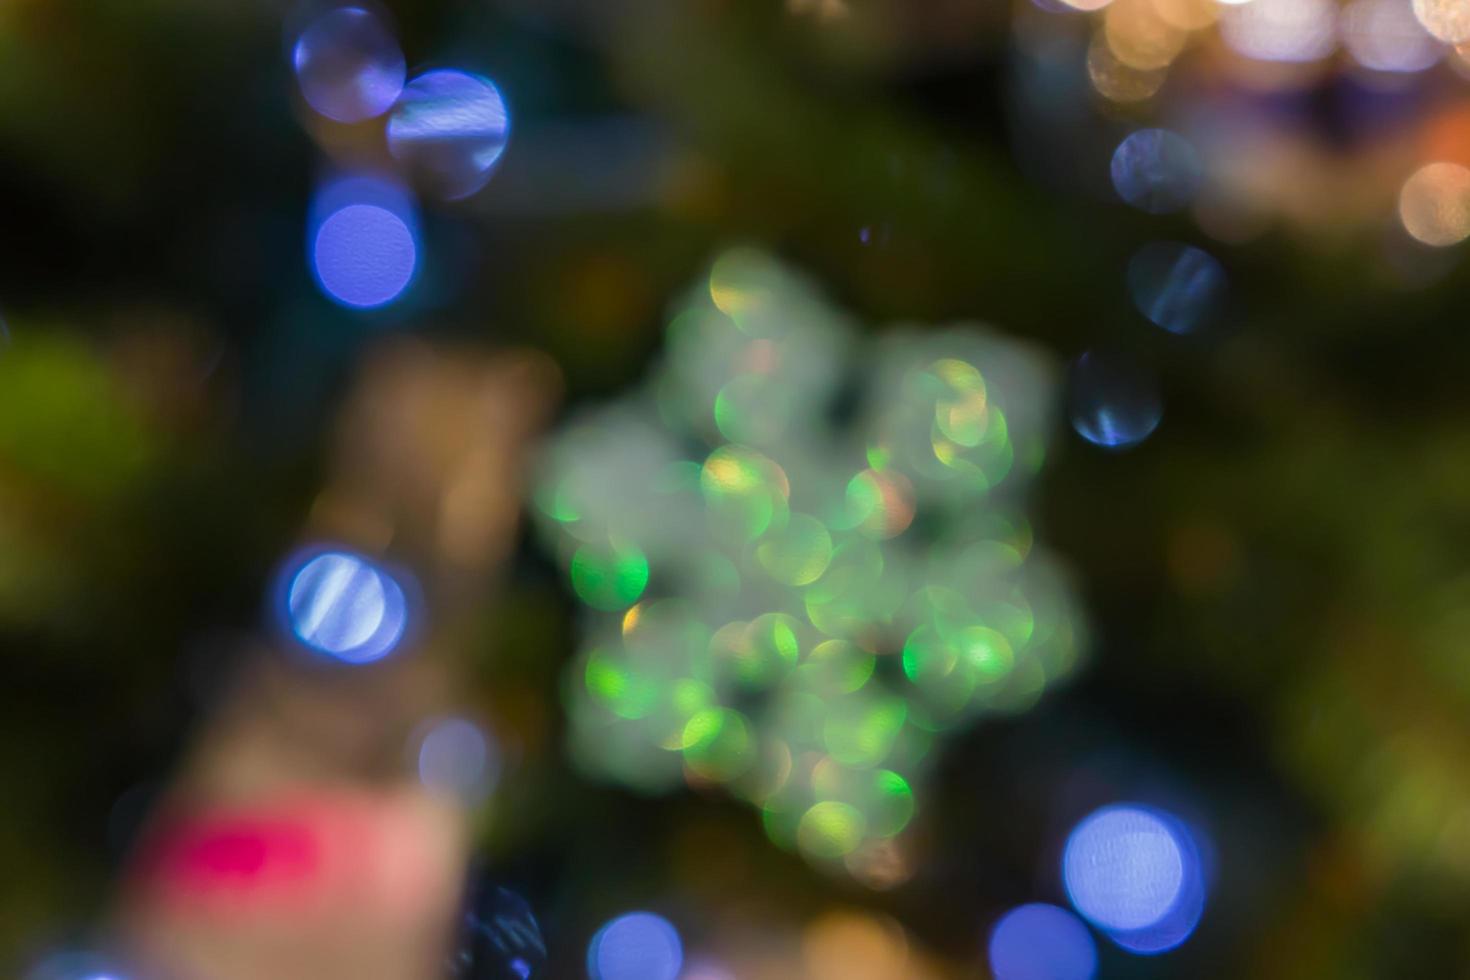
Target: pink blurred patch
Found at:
x=245, y=852
x=378, y=855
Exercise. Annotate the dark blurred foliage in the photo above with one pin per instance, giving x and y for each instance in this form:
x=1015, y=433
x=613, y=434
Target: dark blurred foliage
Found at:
x=499, y=938
x=1277, y=576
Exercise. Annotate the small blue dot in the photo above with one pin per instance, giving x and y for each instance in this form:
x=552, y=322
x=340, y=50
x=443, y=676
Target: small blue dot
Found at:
x=364, y=255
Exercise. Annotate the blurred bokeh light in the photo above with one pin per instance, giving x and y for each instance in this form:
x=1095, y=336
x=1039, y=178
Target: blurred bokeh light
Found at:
x=456, y=758
x=344, y=606
x=1137, y=874
x=449, y=129
x=1041, y=942
x=746, y=605
x=1434, y=204
x=363, y=241
x=1281, y=30
x=1448, y=20
x=1177, y=287
x=1114, y=400
x=349, y=64
x=1157, y=171
x=636, y=946
x=787, y=653
x=1385, y=36
x=74, y=966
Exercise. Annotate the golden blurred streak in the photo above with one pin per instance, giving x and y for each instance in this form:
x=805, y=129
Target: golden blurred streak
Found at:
x=1139, y=37
x=1188, y=15
x=1116, y=81
x=855, y=946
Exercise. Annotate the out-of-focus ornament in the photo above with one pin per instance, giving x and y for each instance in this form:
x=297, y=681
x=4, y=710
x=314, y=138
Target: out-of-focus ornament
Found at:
x=793, y=593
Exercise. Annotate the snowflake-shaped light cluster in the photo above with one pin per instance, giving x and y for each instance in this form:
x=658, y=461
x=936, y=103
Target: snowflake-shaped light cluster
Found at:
x=803, y=566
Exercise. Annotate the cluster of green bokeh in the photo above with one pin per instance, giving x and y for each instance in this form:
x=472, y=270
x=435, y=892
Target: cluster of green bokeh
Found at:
x=805, y=558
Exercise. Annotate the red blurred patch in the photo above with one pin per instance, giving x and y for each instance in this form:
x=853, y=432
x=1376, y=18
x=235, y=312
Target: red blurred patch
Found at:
x=242, y=851
x=297, y=855
x=269, y=854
